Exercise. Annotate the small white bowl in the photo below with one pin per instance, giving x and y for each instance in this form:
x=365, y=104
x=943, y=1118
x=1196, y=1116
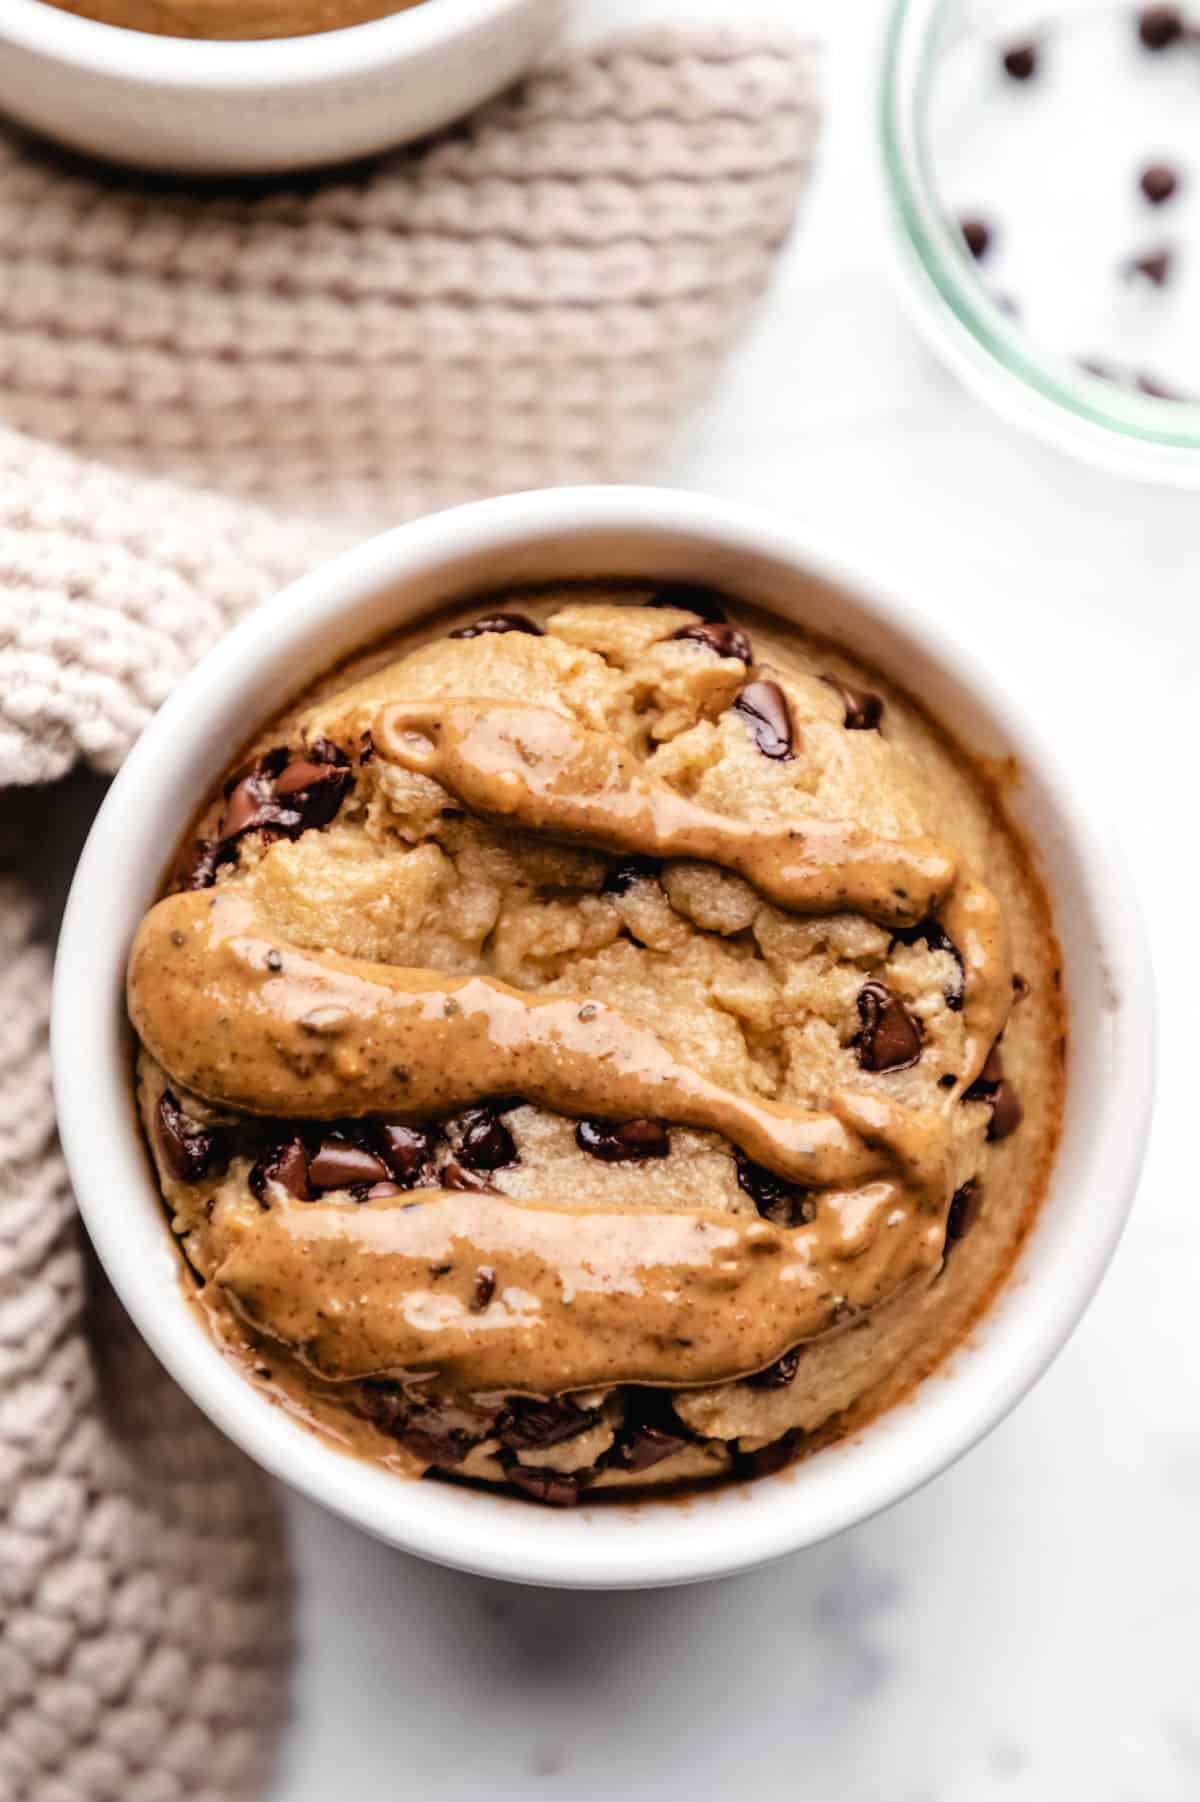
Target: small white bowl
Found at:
x=547, y=536
x=204, y=108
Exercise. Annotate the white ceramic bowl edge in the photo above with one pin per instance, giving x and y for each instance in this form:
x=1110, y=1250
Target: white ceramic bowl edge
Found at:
x=203, y=108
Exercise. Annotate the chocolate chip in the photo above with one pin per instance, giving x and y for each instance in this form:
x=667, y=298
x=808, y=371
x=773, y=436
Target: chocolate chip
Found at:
x=1160, y=26
x=188, y=1149
x=287, y=1165
x=1149, y=384
x=622, y=876
x=640, y=1448
x=316, y=785
x=199, y=865
x=485, y=1288
x=406, y=1150
x=1158, y=181
x=977, y=235
x=779, y=1374
x=889, y=1039
x=323, y=750
x=863, y=709
x=690, y=597
x=1007, y=1112
x=1021, y=61
x=552, y=1487
x=763, y=705
x=500, y=622
x=456, y=1176
x=645, y=1407
x=252, y=807
x=992, y=1086
x=928, y=932
x=528, y=1425
x=964, y=1212
x=286, y=796
x=303, y=773
x=769, y=1458
x=726, y=641
x=336, y=1164
x=439, y=1448
x=623, y=1141
x=486, y=1142
x=266, y=764
x=1020, y=988
x=782, y=1202
x=386, y=1402
x=441, y=1435
x=1155, y=266
x=382, y=1191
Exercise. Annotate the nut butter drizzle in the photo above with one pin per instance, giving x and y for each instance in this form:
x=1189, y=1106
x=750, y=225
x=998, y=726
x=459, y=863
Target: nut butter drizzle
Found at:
x=328, y=1037
x=546, y=773
x=581, y=1297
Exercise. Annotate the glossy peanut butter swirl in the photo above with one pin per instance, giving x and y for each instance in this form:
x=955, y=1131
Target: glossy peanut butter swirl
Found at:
x=235, y=1015
x=546, y=773
x=579, y=1297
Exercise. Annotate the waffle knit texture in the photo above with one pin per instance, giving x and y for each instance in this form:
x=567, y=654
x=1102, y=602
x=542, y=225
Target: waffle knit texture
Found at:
x=204, y=391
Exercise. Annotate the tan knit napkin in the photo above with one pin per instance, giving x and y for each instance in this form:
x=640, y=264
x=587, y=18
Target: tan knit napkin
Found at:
x=204, y=391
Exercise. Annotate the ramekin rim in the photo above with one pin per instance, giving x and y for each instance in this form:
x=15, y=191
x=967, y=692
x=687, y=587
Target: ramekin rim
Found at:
x=320, y=58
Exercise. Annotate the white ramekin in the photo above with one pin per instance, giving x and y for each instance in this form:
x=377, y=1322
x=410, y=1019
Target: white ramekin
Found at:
x=606, y=532
x=184, y=106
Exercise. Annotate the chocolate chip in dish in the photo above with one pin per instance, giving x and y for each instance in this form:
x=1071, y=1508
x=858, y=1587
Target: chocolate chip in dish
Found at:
x=1070, y=249
x=569, y=1044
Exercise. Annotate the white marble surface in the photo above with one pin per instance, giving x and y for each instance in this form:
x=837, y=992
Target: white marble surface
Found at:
x=1029, y=1625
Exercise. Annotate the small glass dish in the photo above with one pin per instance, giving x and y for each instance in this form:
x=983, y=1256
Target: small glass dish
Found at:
x=1042, y=173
